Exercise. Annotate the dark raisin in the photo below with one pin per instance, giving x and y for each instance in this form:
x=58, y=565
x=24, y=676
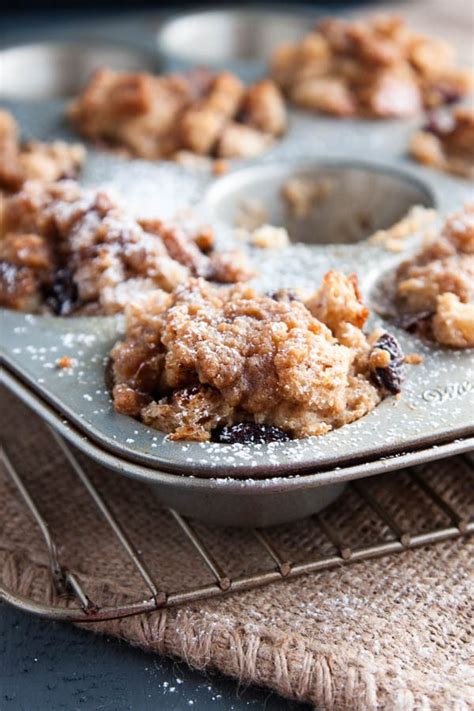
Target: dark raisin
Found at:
x=415, y=323
x=67, y=175
x=389, y=378
x=450, y=95
x=249, y=433
x=61, y=294
x=109, y=375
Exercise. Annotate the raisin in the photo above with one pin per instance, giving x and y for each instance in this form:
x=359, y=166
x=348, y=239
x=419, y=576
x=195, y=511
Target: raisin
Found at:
x=61, y=295
x=450, y=95
x=416, y=323
x=249, y=433
x=389, y=378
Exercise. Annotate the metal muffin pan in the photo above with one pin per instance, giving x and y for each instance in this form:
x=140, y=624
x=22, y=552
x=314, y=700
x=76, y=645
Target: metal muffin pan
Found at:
x=242, y=38
x=361, y=198
x=47, y=70
x=229, y=501
x=433, y=418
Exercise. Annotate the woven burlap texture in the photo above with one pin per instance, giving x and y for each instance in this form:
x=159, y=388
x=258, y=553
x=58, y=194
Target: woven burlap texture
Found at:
x=392, y=633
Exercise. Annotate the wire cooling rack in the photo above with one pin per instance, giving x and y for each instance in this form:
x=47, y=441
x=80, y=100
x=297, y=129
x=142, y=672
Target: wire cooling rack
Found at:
x=75, y=604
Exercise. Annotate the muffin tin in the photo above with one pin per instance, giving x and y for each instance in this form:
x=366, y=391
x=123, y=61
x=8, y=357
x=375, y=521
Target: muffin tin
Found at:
x=242, y=37
x=256, y=484
x=47, y=70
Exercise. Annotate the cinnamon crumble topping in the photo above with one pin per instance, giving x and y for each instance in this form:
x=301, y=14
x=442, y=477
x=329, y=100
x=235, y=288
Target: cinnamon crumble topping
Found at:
x=205, y=357
x=434, y=291
x=171, y=116
x=377, y=67
x=65, y=362
x=66, y=249
x=34, y=160
x=447, y=142
x=270, y=237
x=394, y=238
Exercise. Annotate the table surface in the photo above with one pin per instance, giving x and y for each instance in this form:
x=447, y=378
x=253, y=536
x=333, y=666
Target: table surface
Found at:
x=51, y=665
x=46, y=665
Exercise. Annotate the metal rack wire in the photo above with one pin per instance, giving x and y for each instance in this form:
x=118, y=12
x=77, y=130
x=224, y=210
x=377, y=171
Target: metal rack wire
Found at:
x=81, y=608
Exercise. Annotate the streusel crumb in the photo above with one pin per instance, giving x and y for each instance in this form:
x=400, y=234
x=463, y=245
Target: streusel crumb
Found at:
x=377, y=67
x=67, y=249
x=414, y=358
x=270, y=237
x=447, y=142
x=180, y=116
x=206, y=357
x=394, y=238
x=434, y=291
x=35, y=160
x=66, y=362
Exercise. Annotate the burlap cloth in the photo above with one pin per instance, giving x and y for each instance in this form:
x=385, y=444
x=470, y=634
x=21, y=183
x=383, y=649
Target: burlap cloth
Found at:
x=391, y=633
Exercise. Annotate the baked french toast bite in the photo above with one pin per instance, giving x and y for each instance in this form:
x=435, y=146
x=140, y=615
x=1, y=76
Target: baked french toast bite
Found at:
x=446, y=142
x=229, y=364
x=375, y=67
x=69, y=250
x=434, y=290
x=34, y=160
x=177, y=116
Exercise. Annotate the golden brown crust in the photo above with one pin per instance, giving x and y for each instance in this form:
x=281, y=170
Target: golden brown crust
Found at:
x=171, y=116
x=264, y=109
x=217, y=356
x=377, y=67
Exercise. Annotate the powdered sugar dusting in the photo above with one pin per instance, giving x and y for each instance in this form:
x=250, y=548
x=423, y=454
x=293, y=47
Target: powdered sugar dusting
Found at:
x=436, y=400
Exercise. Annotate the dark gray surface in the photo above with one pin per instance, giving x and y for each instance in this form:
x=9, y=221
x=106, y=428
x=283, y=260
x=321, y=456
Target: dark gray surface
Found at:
x=47, y=665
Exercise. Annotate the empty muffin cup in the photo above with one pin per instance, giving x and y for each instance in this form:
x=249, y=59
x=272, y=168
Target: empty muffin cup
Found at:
x=318, y=202
x=51, y=70
x=239, y=39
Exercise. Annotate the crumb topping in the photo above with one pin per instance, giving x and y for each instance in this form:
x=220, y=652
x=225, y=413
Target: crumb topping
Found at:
x=377, y=67
x=206, y=357
x=447, y=142
x=269, y=237
x=67, y=249
x=394, y=239
x=180, y=116
x=414, y=358
x=434, y=291
x=35, y=160
x=65, y=362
